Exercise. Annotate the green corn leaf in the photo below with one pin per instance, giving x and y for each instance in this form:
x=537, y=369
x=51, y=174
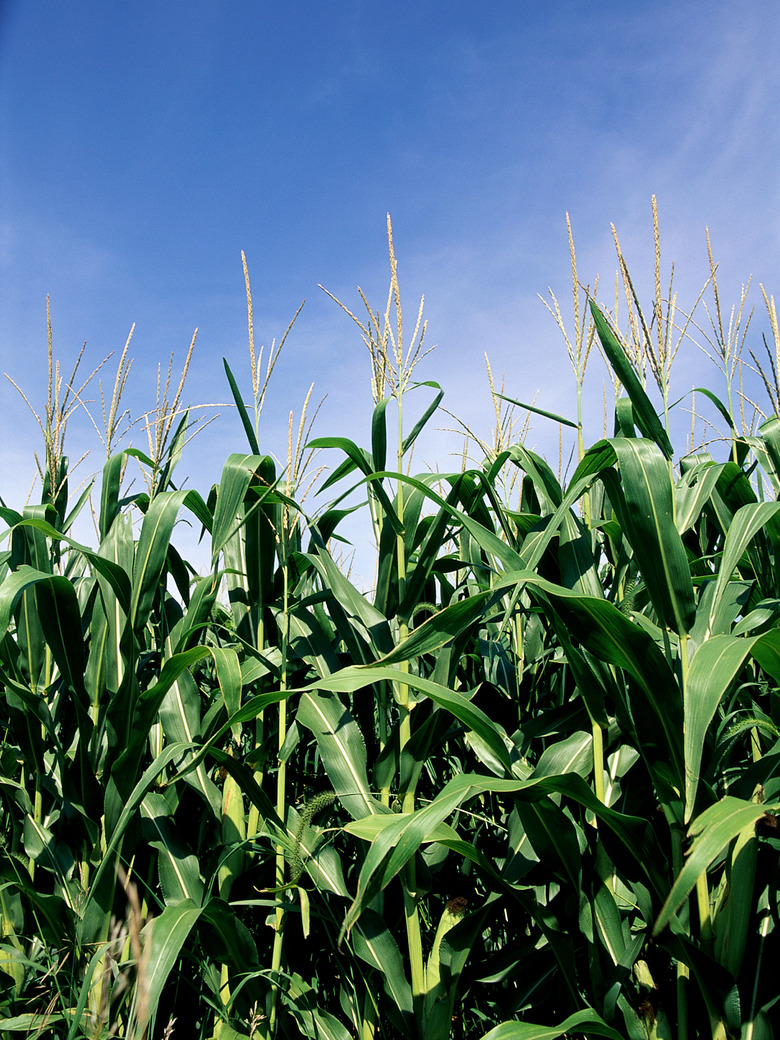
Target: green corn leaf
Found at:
x=398, y=841
x=353, y=678
x=31, y=1024
x=691, y=499
x=769, y=436
x=538, y=411
x=151, y=554
x=58, y=612
x=606, y=916
x=138, y=722
x=573, y=754
x=587, y=1022
x=60, y=617
x=164, y=937
x=312, y=1021
x=178, y=867
x=624, y=418
x=606, y=633
x=228, y=670
x=714, y=667
x=343, y=750
x=441, y=975
x=379, y=435
x=644, y=502
x=310, y=853
x=717, y=402
x=373, y=942
x=439, y=629
x=554, y=839
x=410, y=438
x=227, y=939
x=745, y=525
x=711, y=673
x=100, y=894
x=644, y=412
x=109, y=493
x=242, y=412
x=106, y=568
x=370, y=827
x=362, y=461
x=544, y=480
x=733, y=922
x=12, y=587
x=711, y=832
x=233, y=834
x=238, y=474
x=356, y=620
x=181, y=722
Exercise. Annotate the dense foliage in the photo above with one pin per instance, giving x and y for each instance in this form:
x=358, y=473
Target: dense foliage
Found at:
x=529, y=781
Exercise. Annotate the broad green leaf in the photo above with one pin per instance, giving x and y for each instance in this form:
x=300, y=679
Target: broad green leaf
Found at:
x=93, y=914
x=163, y=939
x=609, y=635
x=645, y=506
x=138, y=723
x=711, y=672
x=711, y=832
x=769, y=436
x=364, y=619
x=31, y=1024
x=400, y=839
x=733, y=921
x=60, y=617
x=350, y=679
x=717, y=402
x=369, y=827
x=151, y=553
x=646, y=415
x=379, y=434
x=228, y=940
x=587, y=1022
x=109, y=492
x=316, y=856
x=343, y=750
x=178, y=867
x=691, y=497
x=312, y=1020
x=228, y=671
x=573, y=754
x=606, y=917
x=553, y=837
x=238, y=474
x=440, y=629
x=179, y=714
x=714, y=667
x=374, y=943
x=746, y=523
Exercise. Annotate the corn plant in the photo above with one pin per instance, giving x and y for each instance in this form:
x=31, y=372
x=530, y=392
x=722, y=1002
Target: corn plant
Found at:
x=527, y=786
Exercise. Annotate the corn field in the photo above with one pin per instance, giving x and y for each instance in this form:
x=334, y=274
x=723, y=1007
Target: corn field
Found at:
x=524, y=788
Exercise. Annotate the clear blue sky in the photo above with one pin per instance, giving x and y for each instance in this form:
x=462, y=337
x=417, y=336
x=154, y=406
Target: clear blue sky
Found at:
x=143, y=145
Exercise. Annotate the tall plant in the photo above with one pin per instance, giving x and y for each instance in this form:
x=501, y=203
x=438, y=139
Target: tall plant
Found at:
x=525, y=787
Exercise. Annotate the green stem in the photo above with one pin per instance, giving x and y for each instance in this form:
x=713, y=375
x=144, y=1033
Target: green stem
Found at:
x=763, y=932
x=677, y=863
x=281, y=793
x=411, y=913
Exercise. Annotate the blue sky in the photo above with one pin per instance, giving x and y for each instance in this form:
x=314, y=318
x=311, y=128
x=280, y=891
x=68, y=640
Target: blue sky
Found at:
x=144, y=145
